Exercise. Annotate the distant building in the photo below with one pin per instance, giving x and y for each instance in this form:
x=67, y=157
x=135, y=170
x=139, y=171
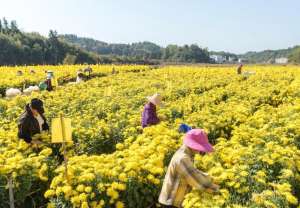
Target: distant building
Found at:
x=218, y=58
x=231, y=59
x=242, y=60
x=281, y=60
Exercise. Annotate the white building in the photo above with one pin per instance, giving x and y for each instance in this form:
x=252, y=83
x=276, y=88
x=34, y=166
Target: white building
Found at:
x=241, y=60
x=281, y=60
x=218, y=58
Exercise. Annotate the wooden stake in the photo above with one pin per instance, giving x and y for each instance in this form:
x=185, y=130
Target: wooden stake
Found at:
x=11, y=193
x=64, y=146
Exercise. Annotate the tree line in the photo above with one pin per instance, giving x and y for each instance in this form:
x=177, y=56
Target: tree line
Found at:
x=294, y=56
x=269, y=56
x=19, y=48
x=142, y=50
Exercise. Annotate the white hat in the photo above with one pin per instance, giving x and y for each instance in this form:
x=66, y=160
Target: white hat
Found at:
x=156, y=99
x=50, y=74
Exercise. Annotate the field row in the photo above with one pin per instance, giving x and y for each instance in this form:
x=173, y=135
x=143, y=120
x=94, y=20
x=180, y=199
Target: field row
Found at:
x=9, y=77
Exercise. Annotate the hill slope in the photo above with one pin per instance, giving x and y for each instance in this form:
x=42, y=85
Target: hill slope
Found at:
x=19, y=48
x=268, y=56
x=141, y=49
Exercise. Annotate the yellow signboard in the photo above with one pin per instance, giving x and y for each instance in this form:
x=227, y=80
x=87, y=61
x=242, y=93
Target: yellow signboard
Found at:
x=61, y=130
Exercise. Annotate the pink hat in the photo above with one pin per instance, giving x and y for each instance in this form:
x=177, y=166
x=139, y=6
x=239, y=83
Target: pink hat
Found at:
x=196, y=139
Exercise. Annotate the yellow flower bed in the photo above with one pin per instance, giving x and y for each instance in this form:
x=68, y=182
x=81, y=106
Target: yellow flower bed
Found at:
x=63, y=73
x=253, y=121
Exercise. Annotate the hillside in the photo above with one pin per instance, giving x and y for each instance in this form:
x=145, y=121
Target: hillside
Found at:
x=20, y=48
x=268, y=56
x=172, y=53
x=142, y=50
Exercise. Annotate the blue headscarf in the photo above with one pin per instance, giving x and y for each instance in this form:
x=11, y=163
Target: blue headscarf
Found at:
x=184, y=128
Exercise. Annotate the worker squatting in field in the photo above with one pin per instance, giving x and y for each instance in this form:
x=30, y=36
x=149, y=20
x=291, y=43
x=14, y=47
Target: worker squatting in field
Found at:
x=32, y=121
x=149, y=115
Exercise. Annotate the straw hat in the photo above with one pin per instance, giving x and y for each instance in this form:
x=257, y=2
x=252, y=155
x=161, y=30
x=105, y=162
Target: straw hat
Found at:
x=49, y=74
x=196, y=139
x=155, y=99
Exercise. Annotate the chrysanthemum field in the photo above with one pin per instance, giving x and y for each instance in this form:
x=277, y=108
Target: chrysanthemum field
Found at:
x=253, y=122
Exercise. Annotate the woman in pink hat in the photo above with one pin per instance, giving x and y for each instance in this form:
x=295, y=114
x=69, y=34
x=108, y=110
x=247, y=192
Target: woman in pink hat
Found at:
x=181, y=175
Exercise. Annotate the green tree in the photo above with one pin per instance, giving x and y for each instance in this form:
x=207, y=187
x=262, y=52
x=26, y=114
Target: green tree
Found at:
x=5, y=26
x=69, y=59
x=294, y=56
x=55, y=53
x=18, y=48
x=37, y=54
x=14, y=27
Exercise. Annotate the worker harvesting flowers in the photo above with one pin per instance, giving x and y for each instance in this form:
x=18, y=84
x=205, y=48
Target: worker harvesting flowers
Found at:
x=32, y=121
x=149, y=116
x=181, y=175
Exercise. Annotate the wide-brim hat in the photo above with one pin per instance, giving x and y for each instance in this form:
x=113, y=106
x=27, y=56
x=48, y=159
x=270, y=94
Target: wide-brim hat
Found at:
x=49, y=74
x=155, y=99
x=197, y=140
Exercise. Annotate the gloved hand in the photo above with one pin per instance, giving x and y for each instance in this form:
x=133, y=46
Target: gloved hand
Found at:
x=213, y=189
